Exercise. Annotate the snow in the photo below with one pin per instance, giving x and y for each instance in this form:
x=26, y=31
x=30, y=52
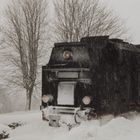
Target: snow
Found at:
x=4, y=128
x=108, y=128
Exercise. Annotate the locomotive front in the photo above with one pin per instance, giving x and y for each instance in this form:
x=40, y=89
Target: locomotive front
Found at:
x=96, y=75
x=66, y=84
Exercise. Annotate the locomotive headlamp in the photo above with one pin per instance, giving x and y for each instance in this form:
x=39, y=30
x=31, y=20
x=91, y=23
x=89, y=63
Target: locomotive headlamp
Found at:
x=67, y=55
x=86, y=100
x=47, y=98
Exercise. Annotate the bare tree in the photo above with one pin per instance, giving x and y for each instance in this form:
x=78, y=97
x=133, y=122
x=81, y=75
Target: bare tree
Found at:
x=80, y=18
x=24, y=33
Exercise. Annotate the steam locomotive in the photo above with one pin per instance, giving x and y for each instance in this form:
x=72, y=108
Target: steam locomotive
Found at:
x=90, y=78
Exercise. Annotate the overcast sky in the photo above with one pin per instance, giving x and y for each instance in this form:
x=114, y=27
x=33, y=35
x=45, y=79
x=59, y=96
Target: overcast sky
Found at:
x=128, y=10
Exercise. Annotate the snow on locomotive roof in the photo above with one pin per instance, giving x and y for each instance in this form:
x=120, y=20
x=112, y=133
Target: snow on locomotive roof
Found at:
x=94, y=39
x=104, y=40
x=120, y=44
x=68, y=44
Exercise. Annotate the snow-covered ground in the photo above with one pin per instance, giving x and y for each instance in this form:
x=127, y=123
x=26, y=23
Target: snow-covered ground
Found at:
x=33, y=128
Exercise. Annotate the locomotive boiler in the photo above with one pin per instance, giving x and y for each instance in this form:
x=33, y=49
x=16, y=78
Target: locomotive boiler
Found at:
x=90, y=78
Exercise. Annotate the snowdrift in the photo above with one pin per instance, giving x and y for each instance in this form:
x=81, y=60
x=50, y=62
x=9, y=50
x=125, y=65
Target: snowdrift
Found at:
x=107, y=128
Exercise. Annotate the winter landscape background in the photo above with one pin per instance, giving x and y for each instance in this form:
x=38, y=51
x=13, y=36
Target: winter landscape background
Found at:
x=12, y=99
x=107, y=128
x=128, y=11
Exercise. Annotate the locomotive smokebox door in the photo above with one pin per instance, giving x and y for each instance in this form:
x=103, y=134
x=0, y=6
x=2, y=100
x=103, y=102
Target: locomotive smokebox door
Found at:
x=65, y=93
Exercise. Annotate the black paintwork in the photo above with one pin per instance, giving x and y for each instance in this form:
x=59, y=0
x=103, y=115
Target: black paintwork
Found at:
x=112, y=66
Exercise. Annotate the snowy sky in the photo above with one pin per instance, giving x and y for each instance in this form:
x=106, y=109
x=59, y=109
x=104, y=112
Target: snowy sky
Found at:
x=128, y=10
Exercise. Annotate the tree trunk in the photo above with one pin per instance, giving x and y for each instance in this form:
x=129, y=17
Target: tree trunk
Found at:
x=29, y=99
